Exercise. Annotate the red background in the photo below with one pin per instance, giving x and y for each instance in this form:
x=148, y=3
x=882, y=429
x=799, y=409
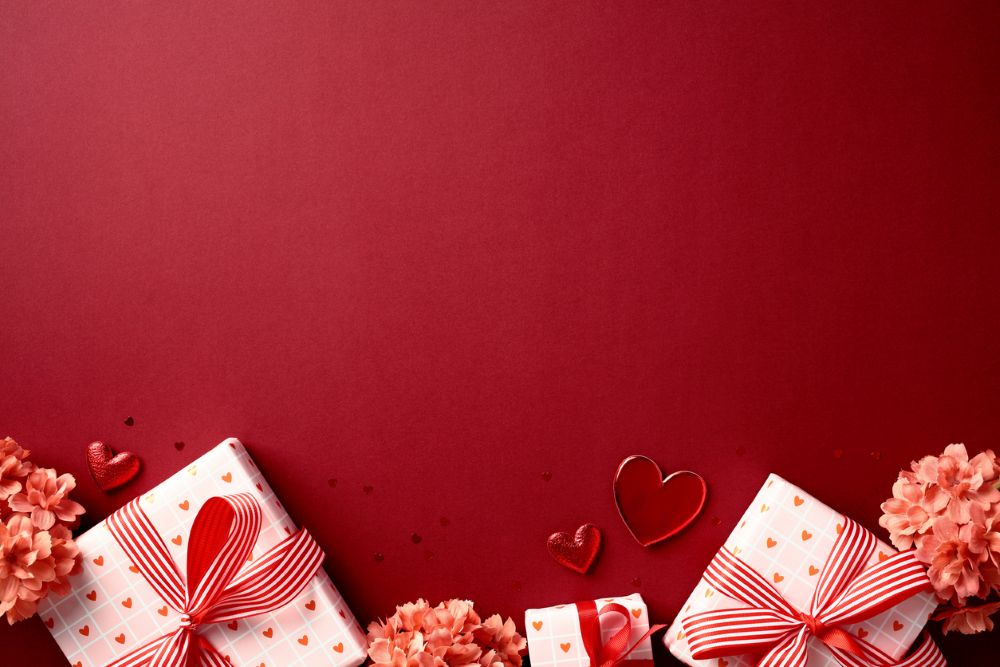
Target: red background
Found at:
x=441, y=249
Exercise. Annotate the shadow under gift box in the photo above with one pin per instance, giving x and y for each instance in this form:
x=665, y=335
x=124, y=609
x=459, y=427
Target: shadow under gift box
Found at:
x=786, y=535
x=112, y=610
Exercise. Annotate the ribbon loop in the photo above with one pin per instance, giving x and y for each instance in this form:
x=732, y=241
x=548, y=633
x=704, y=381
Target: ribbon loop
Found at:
x=616, y=649
x=140, y=541
x=846, y=593
x=222, y=537
x=257, y=591
x=219, y=585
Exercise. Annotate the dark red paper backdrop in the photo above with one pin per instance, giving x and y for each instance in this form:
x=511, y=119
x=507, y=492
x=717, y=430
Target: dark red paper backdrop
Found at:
x=443, y=248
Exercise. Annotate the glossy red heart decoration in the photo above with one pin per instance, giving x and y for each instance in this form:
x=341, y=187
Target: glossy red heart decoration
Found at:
x=653, y=507
x=578, y=551
x=111, y=470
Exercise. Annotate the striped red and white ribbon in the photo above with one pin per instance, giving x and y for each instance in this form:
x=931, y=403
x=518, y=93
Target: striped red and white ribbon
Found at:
x=218, y=588
x=769, y=627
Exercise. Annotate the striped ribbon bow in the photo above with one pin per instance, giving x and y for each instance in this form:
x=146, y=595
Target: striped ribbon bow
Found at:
x=218, y=588
x=846, y=593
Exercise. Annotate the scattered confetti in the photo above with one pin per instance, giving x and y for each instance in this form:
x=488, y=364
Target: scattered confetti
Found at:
x=546, y=476
x=378, y=557
x=741, y=450
x=445, y=522
x=367, y=488
x=877, y=455
x=415, y=538
x=332, y=482
x=178, y=446
x=129, y=421
x=838, y=453
x=636, y=581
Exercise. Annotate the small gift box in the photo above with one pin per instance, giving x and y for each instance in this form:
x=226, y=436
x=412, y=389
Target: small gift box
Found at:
x=206, y=566
x=798, y=583
x=590, y=633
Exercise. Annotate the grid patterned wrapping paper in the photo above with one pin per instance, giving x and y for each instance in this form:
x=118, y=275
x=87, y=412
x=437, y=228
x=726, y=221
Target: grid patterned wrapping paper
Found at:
x=786, y=535
x=112, y=610
x=554, y=637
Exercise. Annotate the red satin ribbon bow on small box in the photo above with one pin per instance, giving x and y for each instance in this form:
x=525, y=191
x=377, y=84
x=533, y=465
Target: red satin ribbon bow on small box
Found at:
x=847, y=593
x=221, y=586
x=616, y=649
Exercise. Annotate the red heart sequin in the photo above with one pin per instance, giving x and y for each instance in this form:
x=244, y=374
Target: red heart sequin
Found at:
x=578, y=551
x=653, y=507
x=111, y=470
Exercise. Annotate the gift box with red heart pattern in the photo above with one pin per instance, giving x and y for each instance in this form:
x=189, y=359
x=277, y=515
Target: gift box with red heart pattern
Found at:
x=573, y=635
x=786, y=536
x=113, y=610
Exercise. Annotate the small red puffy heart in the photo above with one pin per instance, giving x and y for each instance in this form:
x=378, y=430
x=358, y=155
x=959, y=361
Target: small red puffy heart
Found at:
x=655, y=507
x=578, y=551
x=111, y=470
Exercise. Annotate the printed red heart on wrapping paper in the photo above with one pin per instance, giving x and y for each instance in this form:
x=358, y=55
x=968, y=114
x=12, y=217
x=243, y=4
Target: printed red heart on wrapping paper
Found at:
x=578, y=551
x=111, y=470
x=655, y=507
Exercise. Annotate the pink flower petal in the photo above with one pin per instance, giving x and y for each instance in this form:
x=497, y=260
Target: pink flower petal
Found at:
x=42, y=518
